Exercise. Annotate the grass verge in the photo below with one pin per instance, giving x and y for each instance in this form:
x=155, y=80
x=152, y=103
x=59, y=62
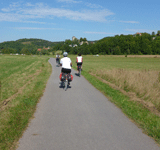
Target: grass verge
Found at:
x=21, y=104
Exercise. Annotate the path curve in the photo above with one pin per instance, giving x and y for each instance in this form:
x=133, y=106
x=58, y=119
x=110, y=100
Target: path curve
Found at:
x=80, y=118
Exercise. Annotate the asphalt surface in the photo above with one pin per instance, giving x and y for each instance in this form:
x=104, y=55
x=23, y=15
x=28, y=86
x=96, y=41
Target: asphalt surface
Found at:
x=80, y=118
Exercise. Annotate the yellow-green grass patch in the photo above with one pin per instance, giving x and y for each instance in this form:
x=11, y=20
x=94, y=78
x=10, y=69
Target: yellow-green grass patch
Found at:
x=21, y=88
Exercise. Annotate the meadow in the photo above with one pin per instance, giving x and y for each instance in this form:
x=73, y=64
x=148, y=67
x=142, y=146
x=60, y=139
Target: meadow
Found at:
x=138, y=76
x=132, y=83
x=22, y=81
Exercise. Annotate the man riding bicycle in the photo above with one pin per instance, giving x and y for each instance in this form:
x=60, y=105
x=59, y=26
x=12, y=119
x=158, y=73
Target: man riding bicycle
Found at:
x=66, y=63
x=79, y=61
x=57, y=58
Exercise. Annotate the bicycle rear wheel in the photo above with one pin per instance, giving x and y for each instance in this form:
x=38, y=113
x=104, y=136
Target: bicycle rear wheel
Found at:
x=79, y=72
x=66, y=84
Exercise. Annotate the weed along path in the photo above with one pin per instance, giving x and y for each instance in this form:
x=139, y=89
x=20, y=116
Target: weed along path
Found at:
x=81, y=118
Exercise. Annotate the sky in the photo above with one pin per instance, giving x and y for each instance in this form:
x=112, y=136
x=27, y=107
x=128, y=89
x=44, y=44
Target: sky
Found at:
x=59, y=20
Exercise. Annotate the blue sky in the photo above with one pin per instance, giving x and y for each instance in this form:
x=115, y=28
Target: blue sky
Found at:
x=58, y=20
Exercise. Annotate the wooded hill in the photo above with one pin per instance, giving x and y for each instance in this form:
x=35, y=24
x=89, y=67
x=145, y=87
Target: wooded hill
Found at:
x=27, y=46
x=140, y=43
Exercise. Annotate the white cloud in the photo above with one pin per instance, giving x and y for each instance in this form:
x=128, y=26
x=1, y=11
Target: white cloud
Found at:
x=29, y=5
x=69, y=1
x=89, y=32
x=38, y=22
x=140, y=30
x=129, y=21
x=10, y=17
x=34, y=28
x=43, y=11
x=93, y=5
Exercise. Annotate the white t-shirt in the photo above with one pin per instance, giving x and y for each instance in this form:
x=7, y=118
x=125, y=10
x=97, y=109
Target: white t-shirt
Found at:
x=79, y=59
x=66, y=63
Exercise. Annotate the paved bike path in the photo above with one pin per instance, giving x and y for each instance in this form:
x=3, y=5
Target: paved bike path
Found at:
x=80, y=118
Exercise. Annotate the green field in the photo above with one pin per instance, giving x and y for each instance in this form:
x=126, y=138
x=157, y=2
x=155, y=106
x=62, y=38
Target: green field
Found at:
x=22, y=80
x=110, y=62
x=139, y=75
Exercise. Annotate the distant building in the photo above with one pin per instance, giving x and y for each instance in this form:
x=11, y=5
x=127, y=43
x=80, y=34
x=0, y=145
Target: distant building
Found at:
x=75, y=45
x=43, y=48
x=140, y=34
x=153, y=38
x=81, y=43
x=39, y=49
x=46, y=48
x=74, y=38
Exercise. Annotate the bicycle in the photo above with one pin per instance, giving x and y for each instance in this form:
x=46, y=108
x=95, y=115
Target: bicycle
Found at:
x=79, y=70
x=58, y=62
x=66, y=79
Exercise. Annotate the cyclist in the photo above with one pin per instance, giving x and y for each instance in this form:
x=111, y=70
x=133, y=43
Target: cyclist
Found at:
x=57, y=58
x=79, y=61
x=66, y=63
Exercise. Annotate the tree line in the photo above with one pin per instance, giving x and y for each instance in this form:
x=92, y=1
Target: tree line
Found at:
x=138, y=44
x=141, y=44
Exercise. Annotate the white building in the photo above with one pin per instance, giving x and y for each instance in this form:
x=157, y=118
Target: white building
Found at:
x=74, y=38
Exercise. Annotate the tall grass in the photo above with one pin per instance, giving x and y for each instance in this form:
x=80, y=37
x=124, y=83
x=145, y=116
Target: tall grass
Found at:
x=145, y=84
x=136, y=74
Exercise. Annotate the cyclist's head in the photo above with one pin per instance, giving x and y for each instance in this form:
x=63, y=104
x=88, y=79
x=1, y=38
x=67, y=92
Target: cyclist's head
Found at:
x=65, y=54
x=79, y=54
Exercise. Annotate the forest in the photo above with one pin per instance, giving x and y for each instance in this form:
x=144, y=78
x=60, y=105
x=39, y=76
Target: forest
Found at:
x=137, y=44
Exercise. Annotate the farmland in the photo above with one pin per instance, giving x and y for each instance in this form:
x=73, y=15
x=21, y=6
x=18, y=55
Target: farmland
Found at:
x=23, y=79
x=139, y=75
x=132, y=83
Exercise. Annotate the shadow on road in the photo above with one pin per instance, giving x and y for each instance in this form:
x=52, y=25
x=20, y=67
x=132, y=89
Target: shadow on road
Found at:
x=62, y=86
x=57, y=65
x=77, y=74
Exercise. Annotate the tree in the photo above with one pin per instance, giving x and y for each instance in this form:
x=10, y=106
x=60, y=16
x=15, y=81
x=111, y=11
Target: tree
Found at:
x=83, y=39
x=116, y=50
x=158, y=33
x=68, y=42
x=153, y=34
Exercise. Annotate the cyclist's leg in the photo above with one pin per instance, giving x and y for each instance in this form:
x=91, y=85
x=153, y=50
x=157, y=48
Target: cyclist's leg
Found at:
x=77, y=69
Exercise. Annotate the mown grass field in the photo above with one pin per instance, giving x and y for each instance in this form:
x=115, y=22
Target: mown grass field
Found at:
x=132, y=83
x=22, y=81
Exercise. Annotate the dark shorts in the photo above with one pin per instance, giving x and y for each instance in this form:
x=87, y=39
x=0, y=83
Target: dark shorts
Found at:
x=57, y=59
x=79, y=64
x=66, y=70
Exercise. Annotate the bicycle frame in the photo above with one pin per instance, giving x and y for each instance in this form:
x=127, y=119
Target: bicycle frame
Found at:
x=79, y=69
x=58, y=62
x=65, y=82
